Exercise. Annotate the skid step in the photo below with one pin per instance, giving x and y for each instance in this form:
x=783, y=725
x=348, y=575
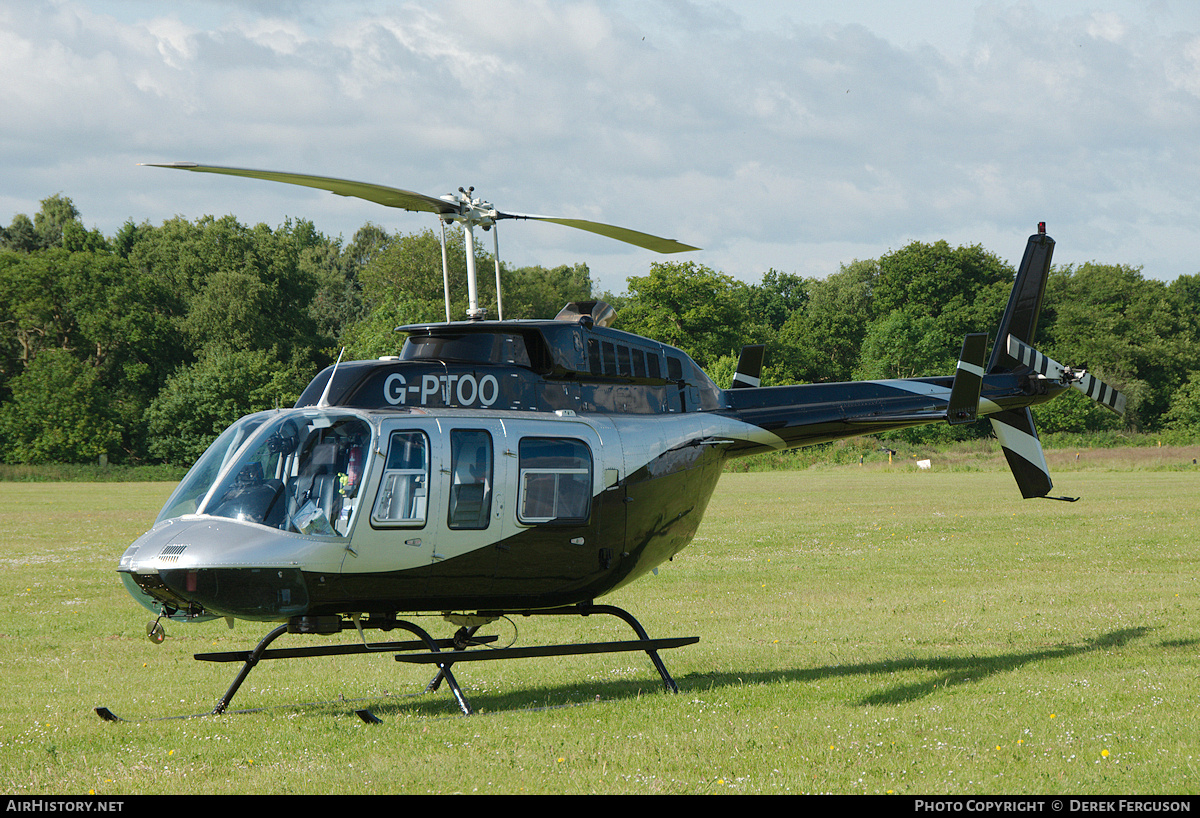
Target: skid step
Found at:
x=335, y=650
x=548, y=650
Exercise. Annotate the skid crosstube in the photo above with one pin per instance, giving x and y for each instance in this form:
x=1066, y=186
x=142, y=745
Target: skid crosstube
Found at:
x=643, y=642
x=460, y=654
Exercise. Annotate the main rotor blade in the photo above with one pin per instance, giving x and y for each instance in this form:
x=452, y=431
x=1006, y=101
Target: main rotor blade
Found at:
x=409, y=200
x=380, y=194
x=649, y=242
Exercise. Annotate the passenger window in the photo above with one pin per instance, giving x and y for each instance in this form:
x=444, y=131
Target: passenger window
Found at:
x=625, y=361
x=674, y=368
x=471, y=478
x=403, y=491
x=594, y=357
x=555, y=480
x=610, y=358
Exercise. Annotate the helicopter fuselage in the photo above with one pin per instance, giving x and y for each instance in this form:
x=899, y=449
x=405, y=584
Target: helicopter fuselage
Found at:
x=492, y=466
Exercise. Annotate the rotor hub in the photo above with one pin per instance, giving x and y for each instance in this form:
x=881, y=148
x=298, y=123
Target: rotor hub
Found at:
x=469, y=211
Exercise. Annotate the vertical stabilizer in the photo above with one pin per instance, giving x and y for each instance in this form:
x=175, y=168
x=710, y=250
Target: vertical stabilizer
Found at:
x=963, y=406
x=1023, y=451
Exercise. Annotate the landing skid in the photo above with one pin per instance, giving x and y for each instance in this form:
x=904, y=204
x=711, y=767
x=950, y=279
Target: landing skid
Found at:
x=444, y=653
x=108, y=715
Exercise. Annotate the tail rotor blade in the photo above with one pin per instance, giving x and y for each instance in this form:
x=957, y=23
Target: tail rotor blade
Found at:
x=1101, y=392
x=1030, y=357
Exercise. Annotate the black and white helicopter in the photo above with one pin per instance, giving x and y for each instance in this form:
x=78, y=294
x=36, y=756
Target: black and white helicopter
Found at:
x=498, y=468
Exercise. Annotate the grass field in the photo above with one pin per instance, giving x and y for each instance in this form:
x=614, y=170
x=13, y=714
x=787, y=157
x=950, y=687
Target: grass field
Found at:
x=863, y=630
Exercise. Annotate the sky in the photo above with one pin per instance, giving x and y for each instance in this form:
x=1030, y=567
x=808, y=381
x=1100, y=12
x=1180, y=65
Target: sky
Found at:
x=795, y=136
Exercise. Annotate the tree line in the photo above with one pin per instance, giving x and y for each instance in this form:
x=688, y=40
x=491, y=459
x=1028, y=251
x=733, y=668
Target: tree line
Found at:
x=142, y=346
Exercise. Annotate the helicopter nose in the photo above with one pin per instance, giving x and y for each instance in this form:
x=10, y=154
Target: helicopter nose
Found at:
x=266, y=594
x=247, y=593
x=223, y=568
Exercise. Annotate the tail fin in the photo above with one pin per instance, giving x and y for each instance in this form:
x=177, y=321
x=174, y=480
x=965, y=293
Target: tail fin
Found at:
x=1023, y=451
x=749, y=368
x=1025, y=303
x=1015, y=428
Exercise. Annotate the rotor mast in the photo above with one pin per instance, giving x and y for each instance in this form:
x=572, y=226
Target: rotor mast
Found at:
x=471, y=213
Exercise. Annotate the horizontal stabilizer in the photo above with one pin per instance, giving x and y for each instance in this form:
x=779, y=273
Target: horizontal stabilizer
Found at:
x=1094, y=388
x=749, y=368
x=968, y=380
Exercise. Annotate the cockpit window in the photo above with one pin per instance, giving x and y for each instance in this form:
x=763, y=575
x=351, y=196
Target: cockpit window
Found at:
x=300, y=472
x=470, y=347
x=191, y=490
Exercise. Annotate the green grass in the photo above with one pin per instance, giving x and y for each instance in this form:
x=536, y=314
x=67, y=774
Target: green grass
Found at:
x=863, y=630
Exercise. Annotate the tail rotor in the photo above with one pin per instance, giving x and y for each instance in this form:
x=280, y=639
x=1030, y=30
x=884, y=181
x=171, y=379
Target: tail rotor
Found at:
x=1050, y=369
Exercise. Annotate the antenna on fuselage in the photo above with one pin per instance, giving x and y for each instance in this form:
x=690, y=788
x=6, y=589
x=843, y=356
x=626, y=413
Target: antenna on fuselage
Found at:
x=324, y=401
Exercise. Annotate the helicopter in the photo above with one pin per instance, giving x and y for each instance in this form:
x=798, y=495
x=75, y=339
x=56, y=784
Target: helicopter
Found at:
x=503, y=468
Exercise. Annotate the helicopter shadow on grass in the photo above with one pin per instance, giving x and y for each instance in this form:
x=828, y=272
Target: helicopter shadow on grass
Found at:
x=441, y=705
x=947, y=671
x=526, y=698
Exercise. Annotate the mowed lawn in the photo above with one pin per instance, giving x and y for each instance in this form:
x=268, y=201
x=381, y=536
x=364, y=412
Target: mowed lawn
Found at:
x=862, y=630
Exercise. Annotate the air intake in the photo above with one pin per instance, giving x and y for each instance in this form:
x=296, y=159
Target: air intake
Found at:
x=591, y=312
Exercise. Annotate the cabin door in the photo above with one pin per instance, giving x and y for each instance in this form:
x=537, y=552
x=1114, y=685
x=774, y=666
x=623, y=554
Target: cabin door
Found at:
x=437, y=510
x=555, y=471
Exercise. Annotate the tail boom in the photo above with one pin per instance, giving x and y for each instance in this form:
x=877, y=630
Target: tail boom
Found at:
x=1015, y=378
